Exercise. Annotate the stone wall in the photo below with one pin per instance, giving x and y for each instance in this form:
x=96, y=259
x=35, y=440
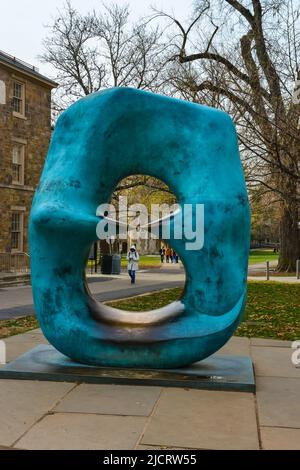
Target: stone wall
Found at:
x=34, y=131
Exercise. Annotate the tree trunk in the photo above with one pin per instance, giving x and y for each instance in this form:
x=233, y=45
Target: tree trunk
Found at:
x=289, y=239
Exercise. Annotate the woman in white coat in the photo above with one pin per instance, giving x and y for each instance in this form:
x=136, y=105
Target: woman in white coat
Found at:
x=133, y=263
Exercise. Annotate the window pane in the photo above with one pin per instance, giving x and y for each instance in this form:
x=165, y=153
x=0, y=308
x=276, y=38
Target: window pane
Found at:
x=15, y=240
x=18, y=90
x=16, y=104
x=17, y=154
x=18, y=162
x=18, y=97
x=16, y=220
x=17, y=173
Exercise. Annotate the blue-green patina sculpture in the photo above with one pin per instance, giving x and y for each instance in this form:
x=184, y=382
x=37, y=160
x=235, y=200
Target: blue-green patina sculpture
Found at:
x=97, y=142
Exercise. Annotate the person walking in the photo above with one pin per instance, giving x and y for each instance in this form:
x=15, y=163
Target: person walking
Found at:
x=168, y=253
x=162, y=252
x=133, y=263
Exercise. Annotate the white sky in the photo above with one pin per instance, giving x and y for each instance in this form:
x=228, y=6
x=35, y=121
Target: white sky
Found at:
x=22, y=22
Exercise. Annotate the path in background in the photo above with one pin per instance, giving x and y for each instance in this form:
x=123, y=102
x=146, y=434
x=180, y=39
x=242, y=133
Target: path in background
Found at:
x=261, y=267
x=17, y=301
x=257, y=272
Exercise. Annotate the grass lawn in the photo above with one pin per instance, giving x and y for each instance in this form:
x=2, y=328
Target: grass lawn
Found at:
x=146, y=261
x=272, y=311
x=153, y=261
x=261, y=256
x=17, y=326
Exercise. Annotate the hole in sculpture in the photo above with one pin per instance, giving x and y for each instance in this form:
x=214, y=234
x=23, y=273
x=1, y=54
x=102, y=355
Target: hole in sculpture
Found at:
x=138, y=202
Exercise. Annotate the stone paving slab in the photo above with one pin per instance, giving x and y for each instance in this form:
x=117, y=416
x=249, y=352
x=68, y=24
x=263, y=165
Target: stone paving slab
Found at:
x=32, y=336
x=203, y=420
x=280, y=438
x=110, y=400
x=35, y=335
x=19, y=344
x=278, y=401
x=6, y=448
x=22, y=403
x=236, y=346
x=274, y=362
x=275, y=343
x=83, y=432
x=15, y=349
x=144, y=447
x=125, y=417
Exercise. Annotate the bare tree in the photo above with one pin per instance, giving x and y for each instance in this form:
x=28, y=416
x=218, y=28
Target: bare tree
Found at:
x=255, y=76
x=239, y=55
x=100, y=50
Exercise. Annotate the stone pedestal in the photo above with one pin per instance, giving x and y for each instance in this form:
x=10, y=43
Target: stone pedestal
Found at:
x=218, y=372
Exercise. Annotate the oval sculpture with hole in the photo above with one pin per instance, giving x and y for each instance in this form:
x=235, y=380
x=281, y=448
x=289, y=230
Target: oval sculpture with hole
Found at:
x=97, y=142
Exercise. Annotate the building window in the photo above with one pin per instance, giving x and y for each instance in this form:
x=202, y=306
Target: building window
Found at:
x=18, y=157
x=18, y=102
x=17, y=231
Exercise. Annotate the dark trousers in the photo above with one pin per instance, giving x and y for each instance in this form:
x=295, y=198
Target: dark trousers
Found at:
x=132, y=275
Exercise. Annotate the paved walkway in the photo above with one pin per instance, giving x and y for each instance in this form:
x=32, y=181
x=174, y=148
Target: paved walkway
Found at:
x=285, y=279
x=17, y=301
x=257, y=272
x=261, y=267
x=52, y=415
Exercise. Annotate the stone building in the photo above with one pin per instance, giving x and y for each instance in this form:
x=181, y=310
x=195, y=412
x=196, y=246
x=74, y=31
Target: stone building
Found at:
x=25, y=129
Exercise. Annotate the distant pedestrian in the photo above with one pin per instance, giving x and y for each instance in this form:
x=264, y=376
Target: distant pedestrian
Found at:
x=133, y=263
x=168, y=254
x=175, y=256
x=162, y=253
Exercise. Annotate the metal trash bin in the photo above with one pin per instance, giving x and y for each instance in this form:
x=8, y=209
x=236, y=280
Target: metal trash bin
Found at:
x=106, y=264
x=116, y=264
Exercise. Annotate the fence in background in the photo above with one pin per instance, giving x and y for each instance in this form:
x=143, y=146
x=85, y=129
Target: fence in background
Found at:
x=14, y=262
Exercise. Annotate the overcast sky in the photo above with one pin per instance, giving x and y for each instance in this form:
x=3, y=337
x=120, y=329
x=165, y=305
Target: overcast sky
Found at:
x=22, y=22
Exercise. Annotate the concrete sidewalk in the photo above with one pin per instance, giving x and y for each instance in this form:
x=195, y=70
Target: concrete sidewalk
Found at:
x=52, y=415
